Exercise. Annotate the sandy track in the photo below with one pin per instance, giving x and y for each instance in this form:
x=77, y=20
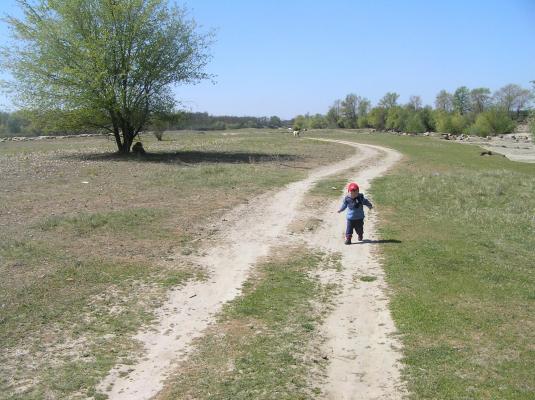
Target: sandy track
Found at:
x=361, y=345
x=189, y=310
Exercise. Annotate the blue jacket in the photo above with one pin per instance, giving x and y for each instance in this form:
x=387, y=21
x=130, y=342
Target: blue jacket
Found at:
x=355, y=209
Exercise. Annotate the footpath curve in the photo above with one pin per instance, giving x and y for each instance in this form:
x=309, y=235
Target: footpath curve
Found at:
x=361, y=345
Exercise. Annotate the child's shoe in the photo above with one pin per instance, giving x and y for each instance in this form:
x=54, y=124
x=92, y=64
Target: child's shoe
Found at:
x=360, y=238
x=348, y=240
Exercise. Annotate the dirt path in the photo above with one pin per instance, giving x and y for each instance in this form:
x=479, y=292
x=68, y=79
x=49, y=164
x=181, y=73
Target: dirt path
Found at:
x=363, y=351
x=189, y=310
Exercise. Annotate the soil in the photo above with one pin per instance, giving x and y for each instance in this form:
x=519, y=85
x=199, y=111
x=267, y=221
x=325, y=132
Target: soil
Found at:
x=361, y=345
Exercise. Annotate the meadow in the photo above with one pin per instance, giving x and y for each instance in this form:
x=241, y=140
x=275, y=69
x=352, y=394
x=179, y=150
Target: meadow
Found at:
x=90, y=242
x=463, y=282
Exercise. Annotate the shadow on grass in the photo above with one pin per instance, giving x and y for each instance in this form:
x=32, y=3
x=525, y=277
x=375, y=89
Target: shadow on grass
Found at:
x=188, y=157
x=384, y=241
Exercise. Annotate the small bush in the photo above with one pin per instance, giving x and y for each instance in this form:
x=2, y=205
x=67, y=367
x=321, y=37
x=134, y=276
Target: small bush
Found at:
x=415, y=124
x=481, y=127
x=396, y=119
x=451, y=123
x=492, y=122
x=459, y=123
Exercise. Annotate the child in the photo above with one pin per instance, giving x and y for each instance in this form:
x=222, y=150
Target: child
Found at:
x=355, y=213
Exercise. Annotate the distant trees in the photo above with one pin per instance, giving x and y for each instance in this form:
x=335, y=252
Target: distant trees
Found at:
x=275, y=122
x=31, y=123
x=444, y=101
x=494, y=121
x=512, y=97
x=353, y=111
x=389, y=100
x=461, y=100
x=415, y=103
x=475, y=111
x=377, y=118
x=480, y=99
x=334, y=115
x=348, y=110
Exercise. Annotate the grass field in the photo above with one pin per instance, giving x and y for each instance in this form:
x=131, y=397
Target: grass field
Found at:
x=463, y=282
x=90, y=242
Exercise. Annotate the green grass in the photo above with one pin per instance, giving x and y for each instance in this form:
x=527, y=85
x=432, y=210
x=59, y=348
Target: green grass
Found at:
x=261, y=346
x=77, y=285
x=330, y=188
x=368, y=278
x=131, y=221
x=463, y=279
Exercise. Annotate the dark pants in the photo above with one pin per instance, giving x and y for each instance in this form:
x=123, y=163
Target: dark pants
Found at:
x=357, y=225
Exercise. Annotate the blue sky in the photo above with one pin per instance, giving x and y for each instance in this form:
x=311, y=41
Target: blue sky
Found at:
x=289, y=57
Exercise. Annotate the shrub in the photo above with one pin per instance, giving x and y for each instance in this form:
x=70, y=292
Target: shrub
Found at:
x=459, y=124
x=415, y=124
x=396, y=119
x=451, y=123
x=427, y=116
x=218, y=126
x=481, y=127
x=492, y=122
x=377, y=117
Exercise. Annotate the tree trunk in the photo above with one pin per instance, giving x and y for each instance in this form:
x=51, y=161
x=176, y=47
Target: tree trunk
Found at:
x=128, y=139
x=118, y=141
x=127, y=143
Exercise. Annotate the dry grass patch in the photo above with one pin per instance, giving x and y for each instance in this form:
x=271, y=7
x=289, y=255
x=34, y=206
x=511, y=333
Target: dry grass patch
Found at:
x=90, y=242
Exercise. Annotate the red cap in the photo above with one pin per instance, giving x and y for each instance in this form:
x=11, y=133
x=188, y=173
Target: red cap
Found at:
x=352, y=186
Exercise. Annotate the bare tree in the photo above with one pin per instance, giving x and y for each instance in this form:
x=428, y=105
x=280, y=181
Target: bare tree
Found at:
x=480, y=98
x=349, y=107
x=444, y=101
x=363, y=107
x=333, y=115
x=512, y=97
x=415, y=102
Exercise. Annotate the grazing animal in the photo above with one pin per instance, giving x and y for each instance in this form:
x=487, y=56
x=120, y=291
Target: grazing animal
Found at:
x=296, y=133
x=486, y=153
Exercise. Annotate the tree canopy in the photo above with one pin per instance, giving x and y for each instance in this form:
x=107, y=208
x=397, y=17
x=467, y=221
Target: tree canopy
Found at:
x=110, y=64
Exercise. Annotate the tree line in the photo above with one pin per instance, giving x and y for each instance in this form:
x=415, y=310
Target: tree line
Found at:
x=471, y=111
x=35, y=123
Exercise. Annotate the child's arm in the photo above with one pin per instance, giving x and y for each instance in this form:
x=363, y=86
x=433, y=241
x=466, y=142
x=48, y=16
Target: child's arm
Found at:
x=367, y=203
x=343, y=206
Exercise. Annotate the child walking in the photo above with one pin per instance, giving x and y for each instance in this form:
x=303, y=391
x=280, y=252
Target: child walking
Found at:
x=354, y=203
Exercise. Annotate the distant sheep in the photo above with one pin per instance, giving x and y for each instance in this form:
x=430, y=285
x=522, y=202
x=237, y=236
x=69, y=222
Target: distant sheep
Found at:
x=296, y=133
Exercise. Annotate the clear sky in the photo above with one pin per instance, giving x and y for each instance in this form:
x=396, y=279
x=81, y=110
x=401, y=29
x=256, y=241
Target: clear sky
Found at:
x=289, y=57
